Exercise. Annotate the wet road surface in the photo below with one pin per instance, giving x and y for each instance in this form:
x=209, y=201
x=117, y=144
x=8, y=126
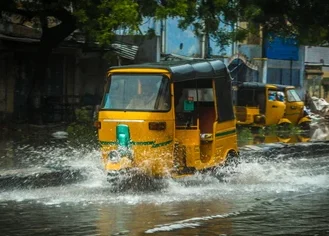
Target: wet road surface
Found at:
x=54, y=189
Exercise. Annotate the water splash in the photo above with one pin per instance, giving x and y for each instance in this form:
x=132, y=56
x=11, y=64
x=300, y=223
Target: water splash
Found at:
x=254, y=177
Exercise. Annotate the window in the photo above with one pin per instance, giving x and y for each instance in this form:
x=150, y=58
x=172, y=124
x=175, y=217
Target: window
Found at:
x=292, y=96
x=142, y=92
x=200, y=94
x=224, y=99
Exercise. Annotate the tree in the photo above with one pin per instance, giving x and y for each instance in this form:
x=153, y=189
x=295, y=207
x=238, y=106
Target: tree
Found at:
x=305, y=20
x=215, y=19
x=97, y=19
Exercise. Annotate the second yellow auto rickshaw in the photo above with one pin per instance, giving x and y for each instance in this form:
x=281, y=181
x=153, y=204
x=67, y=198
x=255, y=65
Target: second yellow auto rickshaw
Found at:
x=294, y=106
x=259, y=105
x=167, y=119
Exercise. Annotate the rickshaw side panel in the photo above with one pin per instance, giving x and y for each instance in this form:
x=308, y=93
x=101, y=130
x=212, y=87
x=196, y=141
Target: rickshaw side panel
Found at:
x=189, y=140
x=226, y=140
x=275, y=110
x=245, y=115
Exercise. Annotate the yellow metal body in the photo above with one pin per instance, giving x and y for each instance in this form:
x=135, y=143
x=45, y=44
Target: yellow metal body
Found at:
x=295, y=109
x=152, y=150
x=172, y=152
x=272, y=114
x=245, y=115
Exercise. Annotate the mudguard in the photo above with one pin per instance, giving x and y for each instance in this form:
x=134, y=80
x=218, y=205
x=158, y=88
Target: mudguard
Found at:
x=283, y=121
x=304, y=119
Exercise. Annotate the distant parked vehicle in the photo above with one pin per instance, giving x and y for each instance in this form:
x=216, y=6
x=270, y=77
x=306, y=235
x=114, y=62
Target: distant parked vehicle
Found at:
x=260, y=105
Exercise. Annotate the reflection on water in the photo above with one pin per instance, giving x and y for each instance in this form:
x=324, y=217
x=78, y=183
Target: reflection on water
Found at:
x=318, y=132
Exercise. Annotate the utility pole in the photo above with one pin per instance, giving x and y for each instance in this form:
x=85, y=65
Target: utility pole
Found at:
x=163, y=35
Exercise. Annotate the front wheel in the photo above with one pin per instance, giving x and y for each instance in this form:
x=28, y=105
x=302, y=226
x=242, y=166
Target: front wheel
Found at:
x=305, y=126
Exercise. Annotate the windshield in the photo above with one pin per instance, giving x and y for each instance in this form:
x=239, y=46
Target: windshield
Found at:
x=292, y=96
x=137, y=92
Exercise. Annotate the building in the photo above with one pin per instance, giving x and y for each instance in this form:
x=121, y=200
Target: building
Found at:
x=75, y=74
x=316, y=80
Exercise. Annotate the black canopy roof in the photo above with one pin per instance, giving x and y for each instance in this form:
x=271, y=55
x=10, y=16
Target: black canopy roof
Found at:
x=187, y=70
x=254, y=85
x=282, y=87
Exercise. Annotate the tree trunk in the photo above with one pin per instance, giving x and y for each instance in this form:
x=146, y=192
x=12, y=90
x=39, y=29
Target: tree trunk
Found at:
x=50, y=39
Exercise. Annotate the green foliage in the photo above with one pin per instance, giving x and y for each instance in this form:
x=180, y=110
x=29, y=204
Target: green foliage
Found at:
x=244, y=136
x=305, y=20
x=99, y=19
x=285, y=129
x=214, y=18
x=224, y=37
x=173, y=8
x=82, y=131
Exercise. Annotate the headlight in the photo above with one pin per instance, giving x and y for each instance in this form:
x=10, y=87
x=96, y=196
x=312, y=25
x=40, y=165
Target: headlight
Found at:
x=114, y=156
x=259, y=119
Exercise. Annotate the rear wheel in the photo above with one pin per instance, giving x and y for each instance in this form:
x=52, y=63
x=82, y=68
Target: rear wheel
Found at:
x=232, y=159
x=228, y=167
x=283, y=126
x=283, y=130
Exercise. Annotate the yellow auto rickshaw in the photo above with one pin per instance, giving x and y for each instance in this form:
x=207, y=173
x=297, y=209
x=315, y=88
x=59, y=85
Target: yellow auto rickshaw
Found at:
x=167, y=119
x=294, y=107
x=258, y=105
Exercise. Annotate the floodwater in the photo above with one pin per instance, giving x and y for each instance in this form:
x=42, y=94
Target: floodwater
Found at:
x=55, y=189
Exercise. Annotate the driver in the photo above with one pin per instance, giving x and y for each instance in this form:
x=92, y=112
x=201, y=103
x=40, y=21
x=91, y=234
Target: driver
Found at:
x=146, y=100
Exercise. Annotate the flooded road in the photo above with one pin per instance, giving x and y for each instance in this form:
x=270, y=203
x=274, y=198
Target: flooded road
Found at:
x=55, y=189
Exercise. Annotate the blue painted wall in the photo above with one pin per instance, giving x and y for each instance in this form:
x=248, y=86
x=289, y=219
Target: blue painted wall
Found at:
x=282, y=48
x=283, y=76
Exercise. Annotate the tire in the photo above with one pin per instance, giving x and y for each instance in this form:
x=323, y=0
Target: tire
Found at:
x=283, y=126
x=232, y=159
x=305, y=126
x=228, y=168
